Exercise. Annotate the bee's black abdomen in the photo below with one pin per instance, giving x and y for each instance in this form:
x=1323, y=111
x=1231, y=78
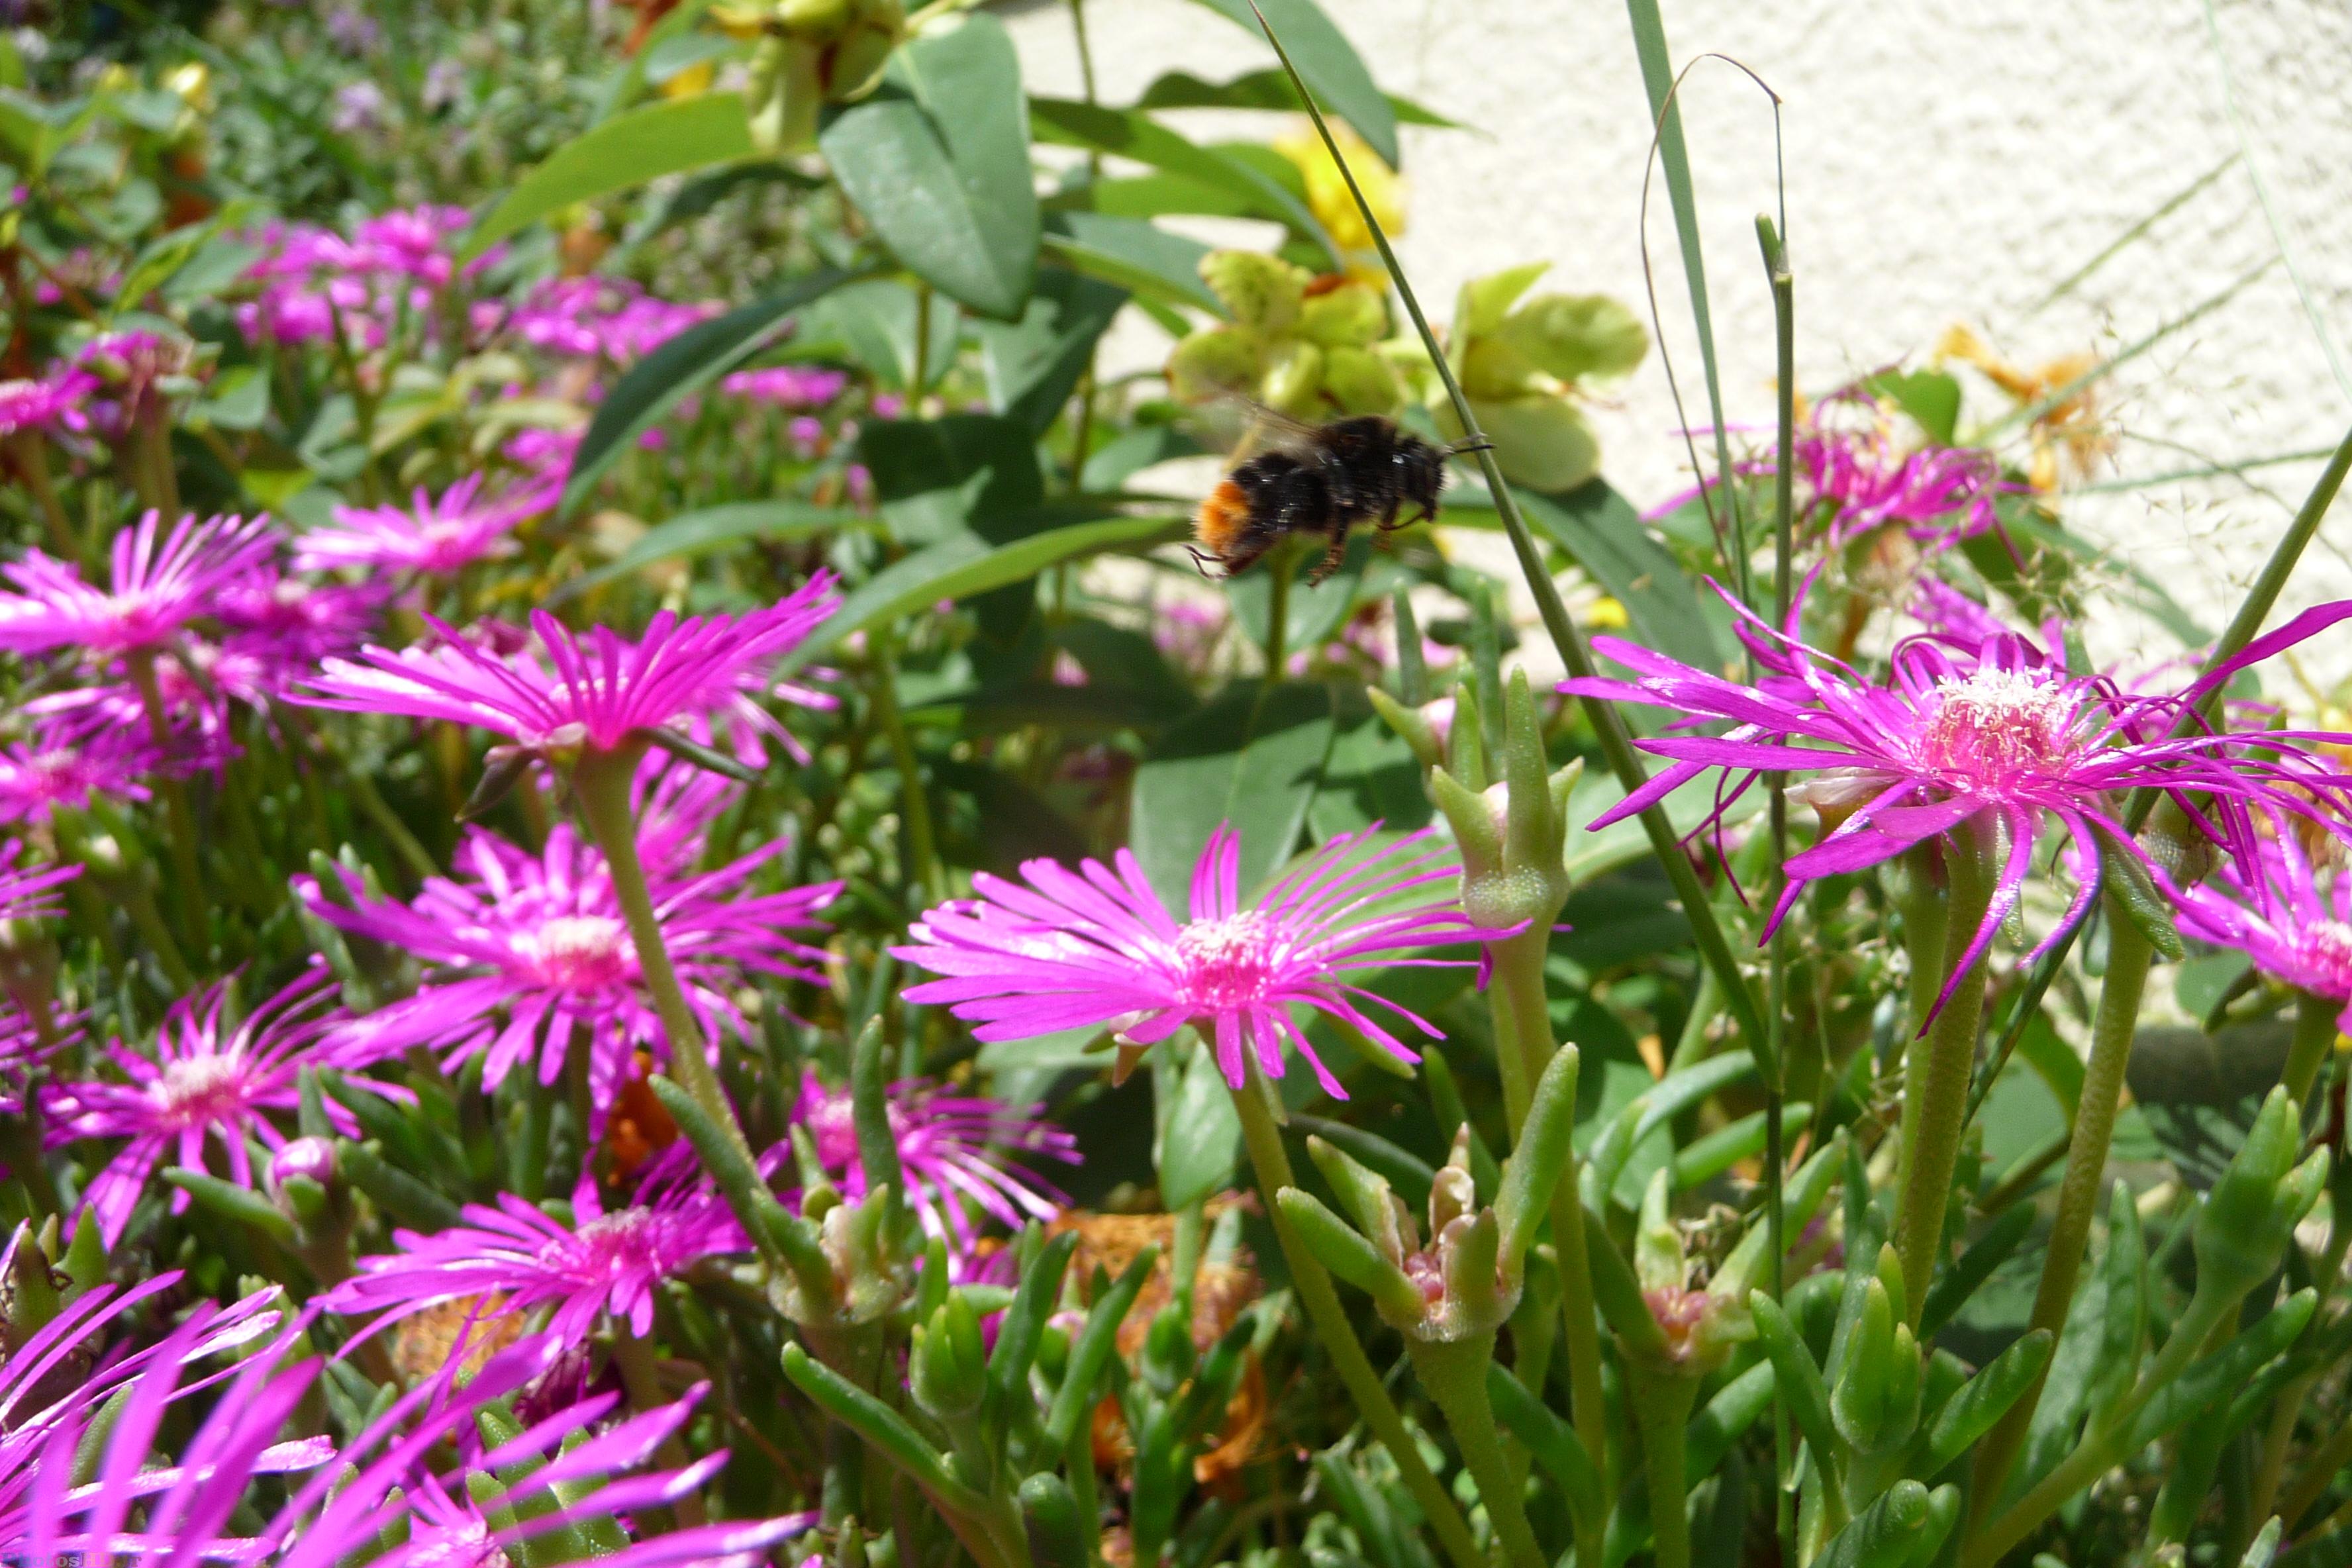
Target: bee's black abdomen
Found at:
x=1285, y=494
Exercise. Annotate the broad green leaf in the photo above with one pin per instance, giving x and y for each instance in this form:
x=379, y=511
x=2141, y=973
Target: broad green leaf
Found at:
x=1133, y=253
x=938, y=478
x=966, y=564
x=1266, y=90
x=1315, y=612
x=666, y=137
x=1128, y=133
x=1931, y=397
x=1200, y=1135
x=1370, y=776
x=699, y=533
x=938, y=162
x=1118, y=461
x=1329, y=64
x=875, y=323
x=1034, y=365
x=679, y=369
x=1603, y=534
x=1254, y=758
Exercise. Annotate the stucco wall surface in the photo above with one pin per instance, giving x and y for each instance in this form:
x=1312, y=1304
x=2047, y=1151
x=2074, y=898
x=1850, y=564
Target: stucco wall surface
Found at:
x=1946, y=163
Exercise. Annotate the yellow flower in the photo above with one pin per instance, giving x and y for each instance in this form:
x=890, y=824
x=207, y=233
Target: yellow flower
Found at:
x=1327, y=197
x=2067, y=434
x=1606, y=613
x=691, y=82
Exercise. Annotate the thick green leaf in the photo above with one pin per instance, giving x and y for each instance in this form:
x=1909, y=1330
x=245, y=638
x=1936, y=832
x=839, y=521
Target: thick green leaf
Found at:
x=699, y=533
x=679, y=369
x=938, y=477
x=1200, y=1134
x=1128, y=133
x=1603, y=534
x=1370, y=776
x=1034, y=365
x=1931, y=397
x=1134, y=253
x=938, y=162
x=967, y=563
x=1252, y=758
x=666, y=137
x=1329, y=64
x=875, y=323
x=1268, y=89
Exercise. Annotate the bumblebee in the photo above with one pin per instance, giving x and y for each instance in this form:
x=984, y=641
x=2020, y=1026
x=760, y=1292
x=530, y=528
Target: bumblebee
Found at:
x=1325, y=480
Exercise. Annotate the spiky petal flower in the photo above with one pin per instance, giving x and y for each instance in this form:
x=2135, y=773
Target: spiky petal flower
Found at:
x=434, y=535
x=601, y=1263
x=583, y=1466
x=206, y=1081
x=2004, y=738
x=523, y=953
x=2280, y=914
x=1859, y=481
x=160, y=581
x=591, y=693
x=55, y=401
x=955, y=1152
x=69, y=763
x=1065, y=950
x=81, y=1486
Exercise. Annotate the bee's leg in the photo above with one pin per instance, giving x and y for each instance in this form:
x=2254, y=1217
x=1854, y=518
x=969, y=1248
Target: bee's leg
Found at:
x=1201, y=563
x=1332, y=558
x=1389, y=522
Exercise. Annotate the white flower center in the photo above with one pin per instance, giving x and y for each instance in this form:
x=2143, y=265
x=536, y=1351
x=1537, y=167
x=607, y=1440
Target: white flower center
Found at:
x=581, y=952
x=2000, y=726
x=199, y=1088
x=1226, y=964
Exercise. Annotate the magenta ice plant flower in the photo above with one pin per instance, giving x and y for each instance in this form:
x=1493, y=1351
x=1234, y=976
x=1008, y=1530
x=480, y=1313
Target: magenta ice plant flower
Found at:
x=208, y=1080
x=2002, y=737
x=70, y=762
x=162, y=580
x=524, y=952
x=54, y=402
x=588, y=693
x=601, y=1264
x=1859, y=480
x=1067, y=949
x=2280, y=913
x=128, y=1509
x=956, y=1152
x=434, y=535
x=585, y=1461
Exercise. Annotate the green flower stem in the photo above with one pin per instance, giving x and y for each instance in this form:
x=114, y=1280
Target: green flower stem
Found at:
x=1271, y=1164
x=1616, y=745
x=2314, y=1033
x=2317, y=1476
x=921, y=846
x=1277, y=611
x=183, y=819
x=601, y=780
x=30, y=451
x=1662, y=1404
x=1524, y=1047
x=2128, y=955
x=1455, y=1375
x=1940, y=1082
x=2097, y=1451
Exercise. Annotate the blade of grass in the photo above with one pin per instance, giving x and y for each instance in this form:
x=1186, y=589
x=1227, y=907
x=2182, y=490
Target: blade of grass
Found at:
x=1616, y=746
x=2259, y=600
x=2124, y=241
x=2270, y=209
x=2214, y=470
x=1673, y=157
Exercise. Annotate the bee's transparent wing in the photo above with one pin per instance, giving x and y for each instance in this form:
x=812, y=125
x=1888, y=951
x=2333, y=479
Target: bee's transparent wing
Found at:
x=1242, y=428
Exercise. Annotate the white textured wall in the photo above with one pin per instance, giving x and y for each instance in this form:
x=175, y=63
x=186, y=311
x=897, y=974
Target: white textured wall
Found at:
x=1946, y=162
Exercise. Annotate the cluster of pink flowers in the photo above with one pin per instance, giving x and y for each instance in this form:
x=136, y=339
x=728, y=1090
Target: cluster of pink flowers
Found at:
x=311, y=279
x=201, y=612
x=56, y=401
x=600, y=319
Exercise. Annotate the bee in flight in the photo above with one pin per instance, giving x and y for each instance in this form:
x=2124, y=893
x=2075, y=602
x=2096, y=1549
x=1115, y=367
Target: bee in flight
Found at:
x=1319, y=478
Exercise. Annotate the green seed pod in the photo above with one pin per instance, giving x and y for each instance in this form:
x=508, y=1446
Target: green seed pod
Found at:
x=1876, y=1402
